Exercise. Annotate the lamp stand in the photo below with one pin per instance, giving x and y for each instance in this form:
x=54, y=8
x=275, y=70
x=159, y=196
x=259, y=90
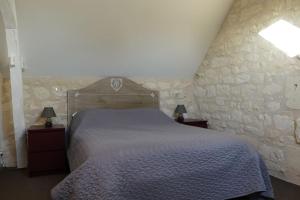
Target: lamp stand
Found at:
x=48, y=123
x=180, y=118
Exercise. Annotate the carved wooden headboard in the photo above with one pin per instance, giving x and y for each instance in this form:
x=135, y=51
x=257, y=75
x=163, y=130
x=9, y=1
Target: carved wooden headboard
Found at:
x=111, y=92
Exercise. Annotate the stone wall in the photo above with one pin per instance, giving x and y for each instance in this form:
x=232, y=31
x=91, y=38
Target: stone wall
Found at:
x=8, y=142
x=51, y=91
x=240, y=86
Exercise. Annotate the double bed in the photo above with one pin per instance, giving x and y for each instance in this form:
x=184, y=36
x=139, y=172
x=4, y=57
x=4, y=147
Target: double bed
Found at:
x=122, y=147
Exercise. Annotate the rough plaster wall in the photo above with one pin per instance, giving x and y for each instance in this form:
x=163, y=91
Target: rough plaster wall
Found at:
x=50, y=91
x=240, y=87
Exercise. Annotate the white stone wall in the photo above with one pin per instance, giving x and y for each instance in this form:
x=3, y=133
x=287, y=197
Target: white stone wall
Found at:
x=8, y=136
x=51, y=91
x=240, y=87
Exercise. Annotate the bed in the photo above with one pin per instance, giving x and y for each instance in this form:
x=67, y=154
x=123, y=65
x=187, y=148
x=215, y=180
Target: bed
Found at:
x=122, y=147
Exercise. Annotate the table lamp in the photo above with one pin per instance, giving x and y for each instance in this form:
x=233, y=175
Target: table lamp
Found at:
x=179, y=111
x=48, y=113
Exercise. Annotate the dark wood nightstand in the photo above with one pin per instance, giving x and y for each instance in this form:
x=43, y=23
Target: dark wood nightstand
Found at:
x=46, y=150
x=195, y=122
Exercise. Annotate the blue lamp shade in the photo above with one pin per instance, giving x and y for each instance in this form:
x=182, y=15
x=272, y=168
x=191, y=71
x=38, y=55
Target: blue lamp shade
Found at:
x=180, y=109
x=48, y=112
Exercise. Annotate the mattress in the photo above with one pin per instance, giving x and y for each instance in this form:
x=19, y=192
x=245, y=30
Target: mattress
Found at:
x=142, y=154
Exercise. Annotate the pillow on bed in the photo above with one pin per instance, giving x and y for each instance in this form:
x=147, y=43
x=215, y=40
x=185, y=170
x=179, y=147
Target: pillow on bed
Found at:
x=119, y=117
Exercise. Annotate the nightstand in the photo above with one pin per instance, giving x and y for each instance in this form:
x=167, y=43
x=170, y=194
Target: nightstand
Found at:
x=195, y=122
x=46, y=150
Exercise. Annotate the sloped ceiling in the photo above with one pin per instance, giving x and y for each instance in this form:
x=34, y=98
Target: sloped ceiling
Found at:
x=134, y=38
x=3, y=48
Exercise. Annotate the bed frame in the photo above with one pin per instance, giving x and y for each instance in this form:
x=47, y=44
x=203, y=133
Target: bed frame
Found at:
x=111, y=92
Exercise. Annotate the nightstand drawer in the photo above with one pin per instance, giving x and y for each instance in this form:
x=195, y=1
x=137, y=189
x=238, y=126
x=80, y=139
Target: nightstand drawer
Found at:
x=46, y=141
x=47, y=161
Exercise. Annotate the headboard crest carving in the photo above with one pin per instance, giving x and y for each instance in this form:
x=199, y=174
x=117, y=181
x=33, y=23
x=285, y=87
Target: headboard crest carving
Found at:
x=116, y=83
x=111, y=92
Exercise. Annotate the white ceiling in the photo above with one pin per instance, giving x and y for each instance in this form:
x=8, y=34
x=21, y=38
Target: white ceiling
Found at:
x=3, y=47
x=134, y=38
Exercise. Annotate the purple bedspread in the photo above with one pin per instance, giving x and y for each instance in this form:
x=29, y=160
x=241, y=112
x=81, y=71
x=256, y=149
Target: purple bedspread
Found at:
x=141, y=154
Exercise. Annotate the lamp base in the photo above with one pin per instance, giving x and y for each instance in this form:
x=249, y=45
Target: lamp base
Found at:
x=48, y=123
x=180, y=119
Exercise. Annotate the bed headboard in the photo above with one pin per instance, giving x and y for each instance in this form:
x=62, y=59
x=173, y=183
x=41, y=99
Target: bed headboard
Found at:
x=111, y=92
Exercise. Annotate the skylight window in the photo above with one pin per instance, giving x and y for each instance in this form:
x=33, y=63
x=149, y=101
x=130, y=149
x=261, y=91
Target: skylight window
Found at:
x=283, y=35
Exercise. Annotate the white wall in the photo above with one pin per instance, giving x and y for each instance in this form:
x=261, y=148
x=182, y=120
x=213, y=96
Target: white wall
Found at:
x=3, y=47
x=135, y=38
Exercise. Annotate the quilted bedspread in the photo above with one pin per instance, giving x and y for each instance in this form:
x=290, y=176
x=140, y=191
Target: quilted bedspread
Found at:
x=141, y=154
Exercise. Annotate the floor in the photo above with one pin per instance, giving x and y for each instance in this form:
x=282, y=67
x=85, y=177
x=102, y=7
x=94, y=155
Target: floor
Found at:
x=15, y=185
